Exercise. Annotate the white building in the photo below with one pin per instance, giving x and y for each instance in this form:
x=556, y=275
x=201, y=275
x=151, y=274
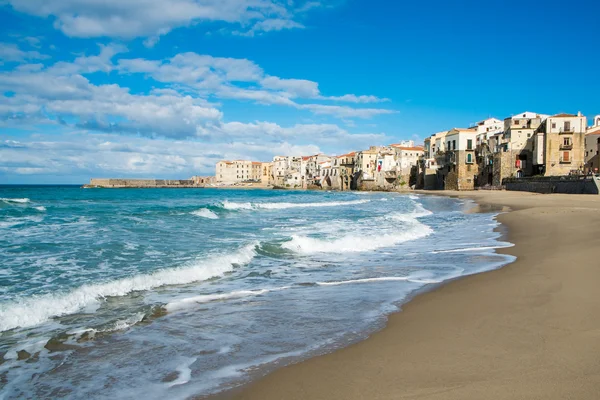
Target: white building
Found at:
x=407, y=157
x=230, y=172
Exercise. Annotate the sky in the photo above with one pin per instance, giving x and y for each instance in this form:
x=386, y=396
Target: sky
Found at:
x=156, y=89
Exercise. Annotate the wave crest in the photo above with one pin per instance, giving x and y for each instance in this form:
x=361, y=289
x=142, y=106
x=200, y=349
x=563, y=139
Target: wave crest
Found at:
x=205, y=213
x=10, y=200
x=229, y=205
x=39, y=309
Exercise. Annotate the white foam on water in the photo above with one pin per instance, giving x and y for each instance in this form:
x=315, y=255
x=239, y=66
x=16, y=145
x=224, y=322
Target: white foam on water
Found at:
x=185, y=372
x=228, y=205
x=360, y=240
x=34, y=310
x=40, y=208
x=205, y=213
x=413, y=197
x=380, y=279
x=20, y=201
x=191, y=302
x=468, y=249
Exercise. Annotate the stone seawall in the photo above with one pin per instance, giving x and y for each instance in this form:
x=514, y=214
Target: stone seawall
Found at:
x=559, y=184
x=144, y=183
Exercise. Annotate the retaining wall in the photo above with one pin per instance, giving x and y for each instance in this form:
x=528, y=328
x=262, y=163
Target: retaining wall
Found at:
x=558, y=184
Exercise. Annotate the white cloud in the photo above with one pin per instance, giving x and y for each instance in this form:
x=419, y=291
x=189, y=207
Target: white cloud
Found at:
x=345, y=112
x=153, y=18
x=11, y=52
x=352, y=98
x=296, y=87
x=268, y=25
x=220, y=77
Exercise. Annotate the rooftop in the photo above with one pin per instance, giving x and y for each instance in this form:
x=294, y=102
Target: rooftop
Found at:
x=563, y=116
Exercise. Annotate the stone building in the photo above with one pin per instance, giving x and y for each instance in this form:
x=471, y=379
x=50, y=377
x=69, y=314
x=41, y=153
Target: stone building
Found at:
x=343, y=172
x=559, y=145
x=236, y=171
x=266, y=175
x=457, y=166
x=592, y=147
x=204, y=180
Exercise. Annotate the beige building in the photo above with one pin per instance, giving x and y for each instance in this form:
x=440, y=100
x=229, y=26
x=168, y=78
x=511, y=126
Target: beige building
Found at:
x=458, y=168
x=563, y=139
x=236, y=171
x=366, y=161
x=343, y=171
x=592, y=147
x=266, y=174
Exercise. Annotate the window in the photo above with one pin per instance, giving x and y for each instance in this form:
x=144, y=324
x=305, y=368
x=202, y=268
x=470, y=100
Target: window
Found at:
x=454, y=145
x=567, y=126
x=554, y=125
x=567, y=141
x=469, y=158
x=469, y=144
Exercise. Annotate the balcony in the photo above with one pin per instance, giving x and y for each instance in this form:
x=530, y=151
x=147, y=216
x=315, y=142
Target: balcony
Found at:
x=392, y=174
x=565, y=160
x=566, y=147
x=566, y=131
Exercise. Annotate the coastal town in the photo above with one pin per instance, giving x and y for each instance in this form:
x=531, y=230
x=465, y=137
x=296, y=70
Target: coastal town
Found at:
x=485, y=155
x=527, y=151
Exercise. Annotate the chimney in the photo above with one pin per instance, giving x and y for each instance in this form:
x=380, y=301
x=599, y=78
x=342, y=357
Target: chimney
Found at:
x=579, y=113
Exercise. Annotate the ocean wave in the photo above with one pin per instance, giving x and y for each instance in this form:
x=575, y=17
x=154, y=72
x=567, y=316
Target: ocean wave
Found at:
x=469, y=249
x=359, y=241
x=190, y=302
x=229, y=205
x=9, y=200
x=40, y=208
x=34, y=310
x=380, y=279
x=205, y=213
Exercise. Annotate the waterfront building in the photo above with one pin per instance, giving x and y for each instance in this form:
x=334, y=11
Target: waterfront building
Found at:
x=365, y=163
x=458, y=169
x=236, y=171
x=559, y=146
x=592, y=146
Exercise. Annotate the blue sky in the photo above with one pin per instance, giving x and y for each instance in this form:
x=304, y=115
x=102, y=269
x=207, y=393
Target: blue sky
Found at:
x=147, y=88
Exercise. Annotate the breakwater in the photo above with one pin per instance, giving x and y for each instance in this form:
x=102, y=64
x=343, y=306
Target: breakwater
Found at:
x=144, y=183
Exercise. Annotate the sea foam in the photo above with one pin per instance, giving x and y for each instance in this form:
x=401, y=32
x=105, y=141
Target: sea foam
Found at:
x=205, y=213
x=9, y=200
x=190, y=302
x=229, y=205
x=34, y=310
x=365, y=238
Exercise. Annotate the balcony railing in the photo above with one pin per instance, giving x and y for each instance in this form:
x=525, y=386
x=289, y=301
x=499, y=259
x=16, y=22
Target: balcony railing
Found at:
x=564, y=160
x=566, y=147
x=566, y=131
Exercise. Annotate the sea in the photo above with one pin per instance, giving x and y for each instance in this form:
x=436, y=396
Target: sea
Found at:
x=179, y=293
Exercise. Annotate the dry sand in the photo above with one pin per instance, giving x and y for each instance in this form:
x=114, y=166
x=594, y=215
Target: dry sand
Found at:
x=530, y=330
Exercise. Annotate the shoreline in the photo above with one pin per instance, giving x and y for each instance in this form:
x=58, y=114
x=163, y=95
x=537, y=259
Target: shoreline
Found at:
x=460, y=339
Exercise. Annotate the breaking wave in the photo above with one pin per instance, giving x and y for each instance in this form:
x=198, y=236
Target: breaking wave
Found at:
x=365, y=238
x=190, y=302
x=381, y=279
x=35, y=310
x=229, y=205
x=21, y=201
x=205, y=213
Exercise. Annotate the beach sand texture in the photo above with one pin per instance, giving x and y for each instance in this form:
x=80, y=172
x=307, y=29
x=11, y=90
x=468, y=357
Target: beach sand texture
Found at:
x=530, y=330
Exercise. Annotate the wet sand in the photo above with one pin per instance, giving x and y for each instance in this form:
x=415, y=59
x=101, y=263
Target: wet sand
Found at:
x=530, y=330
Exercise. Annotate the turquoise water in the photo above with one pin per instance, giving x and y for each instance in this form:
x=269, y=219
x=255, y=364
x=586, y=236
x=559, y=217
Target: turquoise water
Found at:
x=173, y=293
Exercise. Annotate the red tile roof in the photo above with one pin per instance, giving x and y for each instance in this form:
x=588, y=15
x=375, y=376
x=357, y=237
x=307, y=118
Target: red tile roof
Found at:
x=415, y=148
x=347, y=155
x=563, y=116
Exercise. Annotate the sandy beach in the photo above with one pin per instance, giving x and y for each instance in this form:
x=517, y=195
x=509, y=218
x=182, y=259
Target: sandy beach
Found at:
x=527, y=331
